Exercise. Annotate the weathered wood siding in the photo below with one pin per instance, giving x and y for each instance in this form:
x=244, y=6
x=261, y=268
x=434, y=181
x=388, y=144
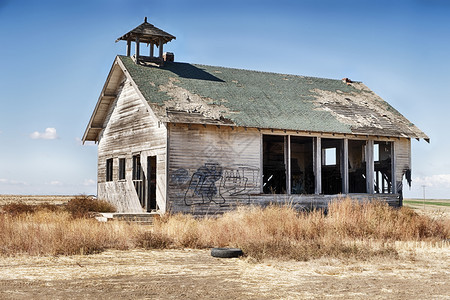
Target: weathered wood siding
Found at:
x=402, y=153
x=212, y=169
x=130, y=129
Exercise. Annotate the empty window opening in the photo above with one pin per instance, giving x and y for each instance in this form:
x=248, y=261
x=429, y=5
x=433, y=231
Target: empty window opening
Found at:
x=329, y=156
x=376, y=152
x=302, y=167
x=383, y=167
x=109, y=169
x=121, y=168
x=357, y=167
x=331, y=166
x=274, y=164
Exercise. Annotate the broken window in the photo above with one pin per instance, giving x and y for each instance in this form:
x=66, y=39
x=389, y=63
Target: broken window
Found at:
x=357, y=166
x=302, y=167
x=274, y=166
x=121, y=168
x=331, y=166
x=382, y=167
x=109, y=169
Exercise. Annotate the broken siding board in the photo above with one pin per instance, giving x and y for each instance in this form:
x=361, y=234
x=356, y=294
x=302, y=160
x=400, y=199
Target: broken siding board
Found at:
x=130, y=129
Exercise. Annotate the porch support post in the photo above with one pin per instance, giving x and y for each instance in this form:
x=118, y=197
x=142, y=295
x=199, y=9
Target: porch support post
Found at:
x=288, y=164
x=370, y=168
x=261, y=164
x=318, y=164
x=344, y=167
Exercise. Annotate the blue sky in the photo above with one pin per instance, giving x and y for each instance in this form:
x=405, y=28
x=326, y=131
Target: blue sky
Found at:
x=55, y=56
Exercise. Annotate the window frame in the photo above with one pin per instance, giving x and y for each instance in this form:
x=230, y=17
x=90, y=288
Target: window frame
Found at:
x=109, y=170
x=121, y=175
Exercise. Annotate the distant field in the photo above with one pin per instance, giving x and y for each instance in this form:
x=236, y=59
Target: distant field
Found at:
x=34, y=199
x=435, y=202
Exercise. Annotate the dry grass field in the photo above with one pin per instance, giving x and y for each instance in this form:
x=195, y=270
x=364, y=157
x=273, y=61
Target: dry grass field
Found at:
x=356, y=252
x=34, y=199
x=431, y=207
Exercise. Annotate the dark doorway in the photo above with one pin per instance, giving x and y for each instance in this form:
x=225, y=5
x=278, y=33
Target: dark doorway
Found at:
x=151, y=174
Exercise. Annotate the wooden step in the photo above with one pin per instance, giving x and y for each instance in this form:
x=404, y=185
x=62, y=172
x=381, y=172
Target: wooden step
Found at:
x=139, y=218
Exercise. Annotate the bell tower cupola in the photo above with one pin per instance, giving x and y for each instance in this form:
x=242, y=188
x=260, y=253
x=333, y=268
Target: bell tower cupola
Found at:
x=152, y=36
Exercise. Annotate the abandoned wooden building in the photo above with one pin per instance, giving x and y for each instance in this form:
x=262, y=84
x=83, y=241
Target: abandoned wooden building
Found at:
x=181, y=137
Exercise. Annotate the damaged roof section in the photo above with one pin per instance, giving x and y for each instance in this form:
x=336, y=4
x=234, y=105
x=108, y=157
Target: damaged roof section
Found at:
x=187, y=93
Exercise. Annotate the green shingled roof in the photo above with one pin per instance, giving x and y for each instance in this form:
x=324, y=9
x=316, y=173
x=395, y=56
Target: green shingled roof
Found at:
x=218, y=95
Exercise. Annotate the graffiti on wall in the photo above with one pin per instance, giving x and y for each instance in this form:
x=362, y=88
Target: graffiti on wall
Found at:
x=180, y=176
x=203, y=185
x=211, y=183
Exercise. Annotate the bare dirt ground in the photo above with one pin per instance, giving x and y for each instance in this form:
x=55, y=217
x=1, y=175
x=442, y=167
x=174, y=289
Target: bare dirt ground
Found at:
x=422, y=273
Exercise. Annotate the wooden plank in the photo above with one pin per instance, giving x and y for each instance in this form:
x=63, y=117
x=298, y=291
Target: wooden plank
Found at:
x=318, y=164
x=128, y=47
x=288, y=163
x=161, y=48
x=137, y=48
x=344, y=167
x=370, y=167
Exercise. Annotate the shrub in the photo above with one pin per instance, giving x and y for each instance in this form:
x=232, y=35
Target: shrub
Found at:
x=82, y=206
x=57, y=233
x=153, y=240
x=15, y=209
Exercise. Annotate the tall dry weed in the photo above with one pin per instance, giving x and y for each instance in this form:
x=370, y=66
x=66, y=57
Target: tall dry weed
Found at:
x=350, y=229
x=50, y=233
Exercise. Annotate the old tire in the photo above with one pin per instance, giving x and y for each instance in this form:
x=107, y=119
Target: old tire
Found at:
x=226, y=252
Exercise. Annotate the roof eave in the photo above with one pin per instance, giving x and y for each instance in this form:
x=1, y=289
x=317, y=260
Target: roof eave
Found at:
x=92, y=132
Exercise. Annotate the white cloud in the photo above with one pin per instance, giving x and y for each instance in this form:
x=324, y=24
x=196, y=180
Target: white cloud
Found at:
x=49, y=134
x=55, y=182
x=11, y=182
x=435, y=181
x=89, y=182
